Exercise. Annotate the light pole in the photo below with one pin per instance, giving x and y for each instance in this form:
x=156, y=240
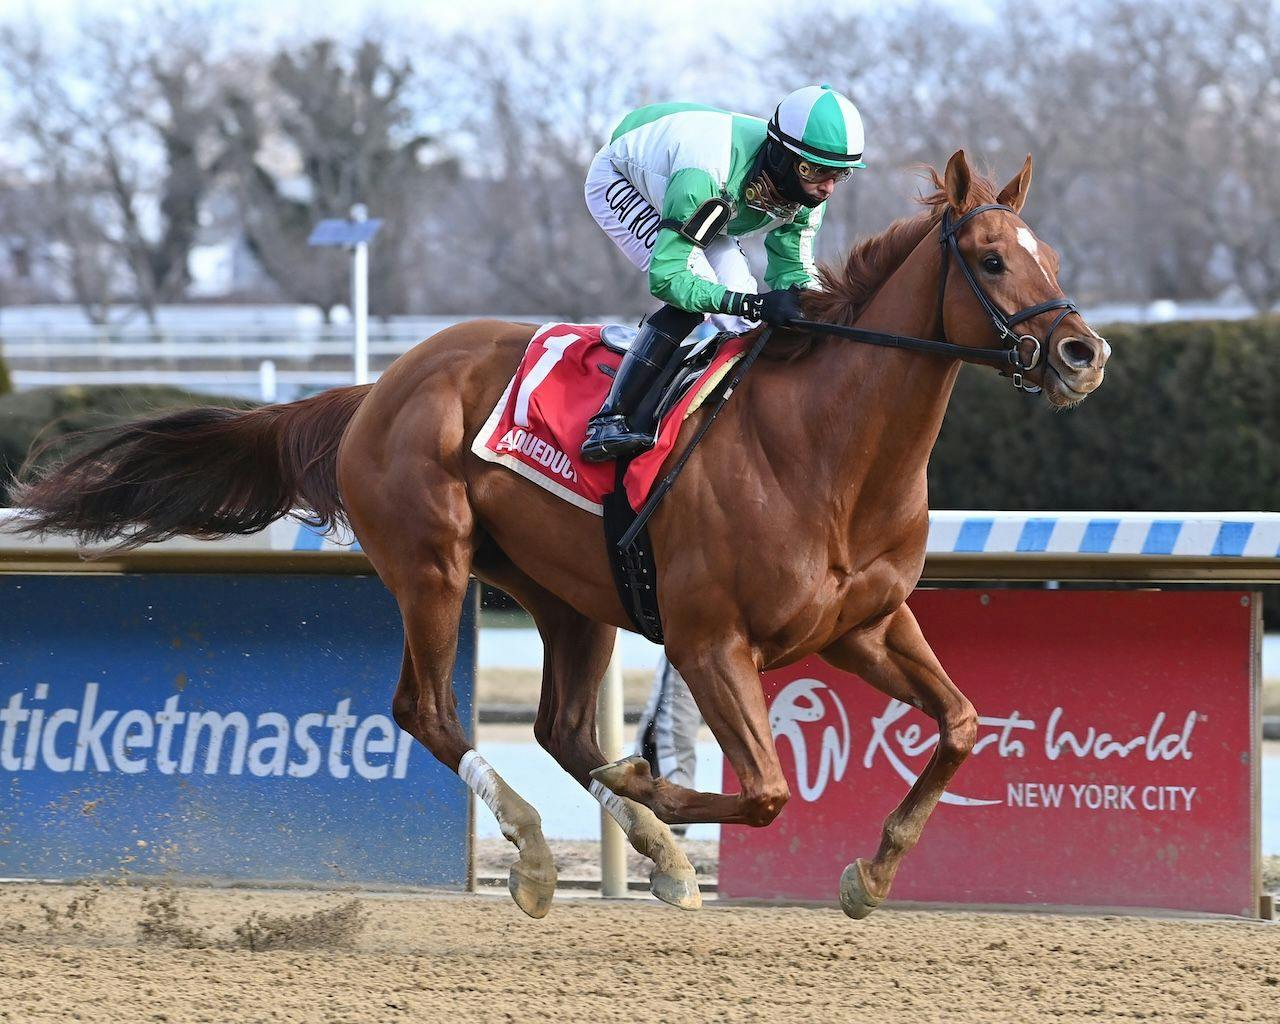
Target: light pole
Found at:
x=354, y=234
x=609, y=725
x=360, y=296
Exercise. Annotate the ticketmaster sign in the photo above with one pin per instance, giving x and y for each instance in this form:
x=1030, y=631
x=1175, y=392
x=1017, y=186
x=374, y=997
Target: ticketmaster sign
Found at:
x=221, y=726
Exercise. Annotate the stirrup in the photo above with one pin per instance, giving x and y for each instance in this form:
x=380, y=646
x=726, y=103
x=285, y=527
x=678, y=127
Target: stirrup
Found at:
x=609, y=434
x=610, y=437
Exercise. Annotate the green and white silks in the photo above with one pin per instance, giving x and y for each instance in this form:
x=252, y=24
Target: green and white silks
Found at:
x=665, y=161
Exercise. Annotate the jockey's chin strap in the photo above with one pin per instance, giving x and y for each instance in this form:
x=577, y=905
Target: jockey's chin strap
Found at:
x=1019, y=352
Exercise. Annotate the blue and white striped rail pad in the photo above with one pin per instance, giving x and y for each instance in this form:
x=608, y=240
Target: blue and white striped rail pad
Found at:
x=1177, y=534
x=1088, y=534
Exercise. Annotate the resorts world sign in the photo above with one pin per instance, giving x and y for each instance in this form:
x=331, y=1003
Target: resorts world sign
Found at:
x=1112, y=764
x=235, y=726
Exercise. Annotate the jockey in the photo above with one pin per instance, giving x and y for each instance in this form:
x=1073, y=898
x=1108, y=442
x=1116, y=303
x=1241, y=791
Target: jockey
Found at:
x=675, y=188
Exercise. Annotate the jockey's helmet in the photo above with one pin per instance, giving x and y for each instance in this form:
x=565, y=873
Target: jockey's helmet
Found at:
x=814, y=134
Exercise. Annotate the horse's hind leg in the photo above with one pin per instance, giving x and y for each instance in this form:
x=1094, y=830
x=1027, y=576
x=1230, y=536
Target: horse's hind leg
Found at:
x=419, y=710
x=422, y=544
x=576, y=655
x=897, y=660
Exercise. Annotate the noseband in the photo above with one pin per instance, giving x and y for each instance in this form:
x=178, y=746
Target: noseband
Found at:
x=1014, y=343
x=1009, y=358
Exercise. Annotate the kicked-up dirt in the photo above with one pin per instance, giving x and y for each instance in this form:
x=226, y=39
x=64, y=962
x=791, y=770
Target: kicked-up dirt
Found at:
x=120, y=954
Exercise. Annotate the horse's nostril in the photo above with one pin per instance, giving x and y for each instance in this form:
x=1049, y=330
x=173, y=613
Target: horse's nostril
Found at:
x=1076, y=353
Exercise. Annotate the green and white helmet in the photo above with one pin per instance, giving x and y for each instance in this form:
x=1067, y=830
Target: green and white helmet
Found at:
x=817, y=124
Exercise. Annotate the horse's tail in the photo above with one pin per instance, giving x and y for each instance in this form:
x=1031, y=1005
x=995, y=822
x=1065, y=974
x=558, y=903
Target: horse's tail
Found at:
x=203, y=472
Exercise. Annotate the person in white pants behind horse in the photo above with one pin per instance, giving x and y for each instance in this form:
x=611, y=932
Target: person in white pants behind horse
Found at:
x=667, y=736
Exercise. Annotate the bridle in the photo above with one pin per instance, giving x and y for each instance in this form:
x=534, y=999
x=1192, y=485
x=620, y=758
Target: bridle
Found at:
x=1018, y=353
x=1004, y=325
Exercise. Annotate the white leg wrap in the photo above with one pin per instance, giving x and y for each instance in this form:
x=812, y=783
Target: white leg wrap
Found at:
x=533, y=876
x=478, y=773
x=614, y=804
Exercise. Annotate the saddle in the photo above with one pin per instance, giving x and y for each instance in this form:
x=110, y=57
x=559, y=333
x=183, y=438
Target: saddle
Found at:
x=535, y=430
x=681, y=373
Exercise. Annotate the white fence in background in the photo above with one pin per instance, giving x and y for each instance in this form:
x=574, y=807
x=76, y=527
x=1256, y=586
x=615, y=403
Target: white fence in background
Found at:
x=266, y=361
x=283, y=352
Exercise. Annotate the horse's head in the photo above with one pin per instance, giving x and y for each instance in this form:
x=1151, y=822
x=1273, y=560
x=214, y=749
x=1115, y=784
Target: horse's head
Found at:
x=1004, y=283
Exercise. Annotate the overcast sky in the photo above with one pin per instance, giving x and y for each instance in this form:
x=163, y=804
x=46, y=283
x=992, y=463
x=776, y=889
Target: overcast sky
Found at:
x=282, y=18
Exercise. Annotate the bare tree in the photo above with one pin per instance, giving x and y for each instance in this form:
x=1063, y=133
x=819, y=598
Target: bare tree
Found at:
x=61, y=215
x=1159, y=67
x=120, y=137
x=1241, y=134
x=1155, y=129
x=542, y=106
x=323, y=130
x=1138, y=125
x=54, y=253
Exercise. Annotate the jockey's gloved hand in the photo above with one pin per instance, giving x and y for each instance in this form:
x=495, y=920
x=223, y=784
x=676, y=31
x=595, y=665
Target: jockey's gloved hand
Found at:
x=777, y=308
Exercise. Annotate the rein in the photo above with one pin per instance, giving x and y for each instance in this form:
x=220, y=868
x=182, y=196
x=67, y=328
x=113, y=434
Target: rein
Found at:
x=631, y=555
x=1009, y=358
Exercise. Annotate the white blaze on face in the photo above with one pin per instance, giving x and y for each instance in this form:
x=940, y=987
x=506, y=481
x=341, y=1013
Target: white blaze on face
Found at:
x=1028, y=241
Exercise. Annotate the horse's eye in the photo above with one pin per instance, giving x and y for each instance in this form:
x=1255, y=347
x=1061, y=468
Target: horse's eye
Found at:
x=992, y=263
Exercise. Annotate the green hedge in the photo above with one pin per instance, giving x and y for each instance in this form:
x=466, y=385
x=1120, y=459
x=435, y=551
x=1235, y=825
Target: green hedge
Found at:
x=1188, y=419
x=30, y=416
x=6, y=382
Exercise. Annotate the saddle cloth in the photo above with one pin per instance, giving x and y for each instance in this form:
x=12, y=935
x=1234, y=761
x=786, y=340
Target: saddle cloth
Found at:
x=538, y=425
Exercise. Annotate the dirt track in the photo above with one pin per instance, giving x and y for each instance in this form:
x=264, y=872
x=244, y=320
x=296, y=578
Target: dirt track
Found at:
x=122, y=954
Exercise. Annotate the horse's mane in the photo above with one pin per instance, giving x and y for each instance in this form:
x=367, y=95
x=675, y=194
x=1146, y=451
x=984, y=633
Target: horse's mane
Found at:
x=844, y=292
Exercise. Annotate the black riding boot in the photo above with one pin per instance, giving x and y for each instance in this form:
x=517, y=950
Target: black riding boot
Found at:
x=609, y=435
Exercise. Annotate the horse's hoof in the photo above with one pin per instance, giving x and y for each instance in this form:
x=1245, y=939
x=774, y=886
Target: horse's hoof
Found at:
x=533, y=888
x=855, y=899
x=613, y=775
x=679, y=890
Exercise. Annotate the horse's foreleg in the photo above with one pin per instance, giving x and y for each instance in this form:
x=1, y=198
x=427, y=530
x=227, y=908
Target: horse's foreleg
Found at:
x=897, y=660
x=725, y=682
x=577, y=651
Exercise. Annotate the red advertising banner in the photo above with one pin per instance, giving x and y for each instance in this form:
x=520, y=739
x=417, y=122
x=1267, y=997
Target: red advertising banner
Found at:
x=1115, y=764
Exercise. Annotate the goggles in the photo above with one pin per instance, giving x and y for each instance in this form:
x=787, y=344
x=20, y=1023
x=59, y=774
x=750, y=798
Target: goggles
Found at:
x=813, y=173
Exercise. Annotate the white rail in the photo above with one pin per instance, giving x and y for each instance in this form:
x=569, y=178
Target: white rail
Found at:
x=264, y=361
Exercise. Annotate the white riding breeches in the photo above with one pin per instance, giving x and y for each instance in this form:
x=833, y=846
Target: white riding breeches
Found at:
x=631, y=222
x=668, y=734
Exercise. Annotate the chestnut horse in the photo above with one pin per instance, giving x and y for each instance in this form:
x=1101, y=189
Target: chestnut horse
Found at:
x=798, y=527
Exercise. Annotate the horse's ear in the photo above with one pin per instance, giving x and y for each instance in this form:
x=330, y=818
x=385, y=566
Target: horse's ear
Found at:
x=1014, y=194
x=956, y=181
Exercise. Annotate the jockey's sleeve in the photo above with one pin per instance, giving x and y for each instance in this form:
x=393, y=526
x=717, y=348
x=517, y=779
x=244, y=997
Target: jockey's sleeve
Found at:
x=672, y=277
x=790, y=251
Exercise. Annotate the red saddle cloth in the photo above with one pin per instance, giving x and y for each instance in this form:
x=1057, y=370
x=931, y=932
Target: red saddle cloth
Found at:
x=538, y=425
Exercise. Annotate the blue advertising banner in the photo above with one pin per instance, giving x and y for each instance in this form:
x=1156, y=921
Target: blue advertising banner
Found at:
x=220, y=726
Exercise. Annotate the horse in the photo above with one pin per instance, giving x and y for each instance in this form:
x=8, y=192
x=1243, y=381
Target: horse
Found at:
x=799, y=526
